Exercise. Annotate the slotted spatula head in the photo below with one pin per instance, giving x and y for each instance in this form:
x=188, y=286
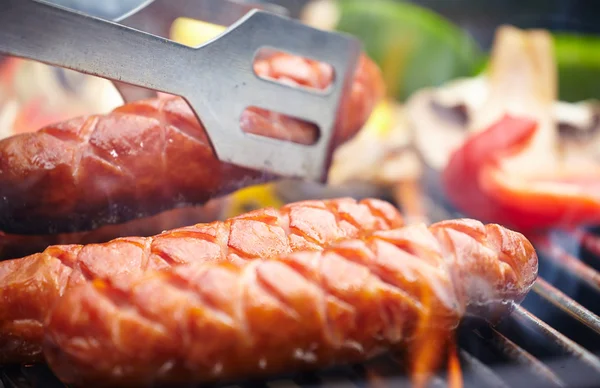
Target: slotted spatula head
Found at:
x=232, y=86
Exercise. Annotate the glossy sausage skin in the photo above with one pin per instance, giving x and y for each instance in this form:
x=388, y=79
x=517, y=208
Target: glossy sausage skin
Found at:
x=30, y=286
x=206, y=322
x=149, y=156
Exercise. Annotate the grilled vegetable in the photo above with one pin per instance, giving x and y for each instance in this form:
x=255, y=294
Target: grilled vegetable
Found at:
x=508, y=151
x=477, y=183
x=29, y=286
x=219, y=321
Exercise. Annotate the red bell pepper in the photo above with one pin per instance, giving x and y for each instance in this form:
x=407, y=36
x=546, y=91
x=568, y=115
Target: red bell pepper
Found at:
x=478, y=185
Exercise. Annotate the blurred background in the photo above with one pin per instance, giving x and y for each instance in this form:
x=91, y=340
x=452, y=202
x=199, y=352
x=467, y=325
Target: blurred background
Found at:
x=468, y=19
x=479, y=17
x=434, y=56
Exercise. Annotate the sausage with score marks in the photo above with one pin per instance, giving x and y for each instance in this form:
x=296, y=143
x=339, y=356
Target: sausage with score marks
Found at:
x=30, y=286
x=207, y=322
x=150, y=156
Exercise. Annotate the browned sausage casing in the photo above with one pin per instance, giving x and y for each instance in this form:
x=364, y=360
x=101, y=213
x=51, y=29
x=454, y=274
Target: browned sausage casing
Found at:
x=212, y=321
x=29, y=286
x=149, y=156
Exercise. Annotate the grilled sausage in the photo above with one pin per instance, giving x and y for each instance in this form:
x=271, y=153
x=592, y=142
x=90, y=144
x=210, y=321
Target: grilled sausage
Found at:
x=149, y=156
x=29, y=286
x=205, y=322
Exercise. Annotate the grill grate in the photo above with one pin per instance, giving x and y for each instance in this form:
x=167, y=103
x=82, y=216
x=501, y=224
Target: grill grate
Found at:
x=558, y=299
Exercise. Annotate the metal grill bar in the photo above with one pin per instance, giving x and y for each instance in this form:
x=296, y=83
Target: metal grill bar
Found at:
x=476, y=372
x=530, y=322
x=588, y=241
x=566, y=304
x=569, y=263
x=570, y=367
x=515, y=353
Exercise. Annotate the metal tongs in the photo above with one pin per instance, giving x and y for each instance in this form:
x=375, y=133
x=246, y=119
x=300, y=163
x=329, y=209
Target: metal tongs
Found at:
x=216, y=79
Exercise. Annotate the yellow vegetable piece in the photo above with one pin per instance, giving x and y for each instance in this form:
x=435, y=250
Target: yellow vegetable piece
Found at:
x=251, y=198
x=382, y=120
x=191, y=32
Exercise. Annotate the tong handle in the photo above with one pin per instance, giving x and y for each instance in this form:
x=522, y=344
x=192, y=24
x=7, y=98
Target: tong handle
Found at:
x=57, y=36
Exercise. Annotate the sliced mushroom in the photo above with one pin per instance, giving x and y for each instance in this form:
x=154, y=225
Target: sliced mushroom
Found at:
x=579, y=129
x=439, y=118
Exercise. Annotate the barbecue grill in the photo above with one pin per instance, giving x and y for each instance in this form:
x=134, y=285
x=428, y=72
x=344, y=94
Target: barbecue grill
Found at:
x=551, y=340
